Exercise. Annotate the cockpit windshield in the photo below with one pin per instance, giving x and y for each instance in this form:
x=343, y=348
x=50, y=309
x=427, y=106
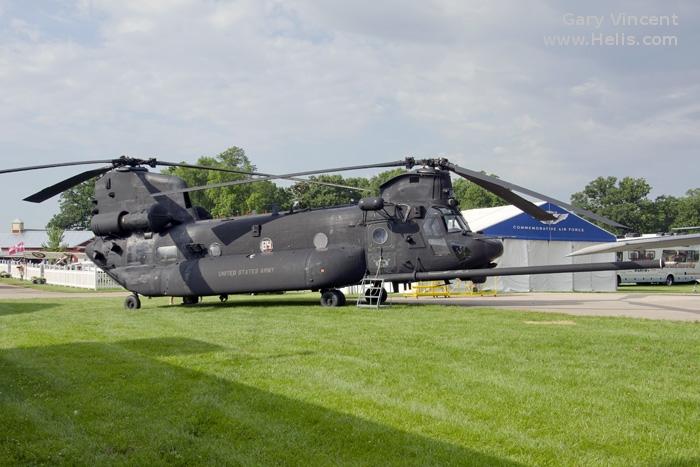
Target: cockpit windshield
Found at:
x=453, y=221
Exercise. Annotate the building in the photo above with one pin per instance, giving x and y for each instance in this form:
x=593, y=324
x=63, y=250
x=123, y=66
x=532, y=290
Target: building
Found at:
x=529, y=242
x=32, y=240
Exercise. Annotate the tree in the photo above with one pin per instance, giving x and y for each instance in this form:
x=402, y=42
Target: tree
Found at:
x=625, y=202
x=75, y=208
x=688, y=214
x=265, y=196
x=314, y=195
x=55, y=240
x=665, y=213
x=231, y=200
x=472, y=196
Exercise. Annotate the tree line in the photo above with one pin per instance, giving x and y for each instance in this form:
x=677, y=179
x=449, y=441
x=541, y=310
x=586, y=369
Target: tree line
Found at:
x=625, y=200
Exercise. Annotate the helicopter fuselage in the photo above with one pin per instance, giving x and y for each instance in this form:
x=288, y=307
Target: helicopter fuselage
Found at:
x=164, y=248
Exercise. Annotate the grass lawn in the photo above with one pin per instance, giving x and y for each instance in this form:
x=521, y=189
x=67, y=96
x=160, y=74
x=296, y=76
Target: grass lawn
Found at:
x=280, y=380
x=660, y=288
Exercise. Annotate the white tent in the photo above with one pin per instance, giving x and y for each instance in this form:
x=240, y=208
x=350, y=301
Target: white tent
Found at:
x=529, y=242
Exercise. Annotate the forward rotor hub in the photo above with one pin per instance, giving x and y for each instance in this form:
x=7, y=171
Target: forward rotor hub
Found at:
x=436, y=163
x=125, y=161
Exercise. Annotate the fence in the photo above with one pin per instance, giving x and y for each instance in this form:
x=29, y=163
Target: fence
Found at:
x=88, y=276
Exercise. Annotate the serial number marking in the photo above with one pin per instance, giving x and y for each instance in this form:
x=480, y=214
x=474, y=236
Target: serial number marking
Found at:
x=245, y=272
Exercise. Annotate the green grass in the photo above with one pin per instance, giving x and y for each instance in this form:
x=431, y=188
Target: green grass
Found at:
x=660, y=288
x=53, y=288
x=280, y=380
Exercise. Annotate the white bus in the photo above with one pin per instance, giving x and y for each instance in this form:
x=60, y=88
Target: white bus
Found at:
x=682, y=265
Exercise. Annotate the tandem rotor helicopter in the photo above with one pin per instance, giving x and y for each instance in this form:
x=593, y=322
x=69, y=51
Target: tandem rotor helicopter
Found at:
x=154, y=242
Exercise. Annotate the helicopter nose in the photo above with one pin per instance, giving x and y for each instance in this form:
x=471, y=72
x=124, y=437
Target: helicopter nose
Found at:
x=492, y=248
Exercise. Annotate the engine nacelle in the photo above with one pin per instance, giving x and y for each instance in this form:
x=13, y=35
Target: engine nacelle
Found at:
x=371, y=204
x=154, y=219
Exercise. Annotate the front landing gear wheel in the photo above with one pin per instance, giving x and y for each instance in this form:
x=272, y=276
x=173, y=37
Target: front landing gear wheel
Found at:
x=132, y=302
x=190, y=300
x=332, y=298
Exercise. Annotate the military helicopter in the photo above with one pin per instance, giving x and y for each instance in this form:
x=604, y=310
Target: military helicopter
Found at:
x=154, y=242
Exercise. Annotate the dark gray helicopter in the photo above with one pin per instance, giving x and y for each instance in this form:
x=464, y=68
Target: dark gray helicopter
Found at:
x=151, y=240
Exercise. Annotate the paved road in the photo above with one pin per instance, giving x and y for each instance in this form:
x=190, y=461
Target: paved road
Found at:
x=677, y=307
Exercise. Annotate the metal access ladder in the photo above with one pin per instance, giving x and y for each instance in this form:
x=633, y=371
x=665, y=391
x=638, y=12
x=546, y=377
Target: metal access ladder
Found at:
x=371, y=291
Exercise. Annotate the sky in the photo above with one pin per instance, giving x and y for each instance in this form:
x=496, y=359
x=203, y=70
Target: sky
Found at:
x=500, y=86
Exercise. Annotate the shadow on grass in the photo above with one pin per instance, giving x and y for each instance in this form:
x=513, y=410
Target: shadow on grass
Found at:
x=112, y=403
x=690, y=462
x=20, y=307
x=251, y=302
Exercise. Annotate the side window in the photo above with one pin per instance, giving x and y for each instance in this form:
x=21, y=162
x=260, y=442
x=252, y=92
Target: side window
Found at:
x=673, y=256
x=681, y=256
x=439, y=246
x=637, y=255
x=433, y=226
x=434, y=230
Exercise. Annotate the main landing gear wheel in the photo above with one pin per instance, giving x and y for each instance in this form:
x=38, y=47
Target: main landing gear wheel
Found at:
x=670, y=280
x=371, y=296
x=190, y=300
x=132, y=302
x=332, y=298
x=223, y=297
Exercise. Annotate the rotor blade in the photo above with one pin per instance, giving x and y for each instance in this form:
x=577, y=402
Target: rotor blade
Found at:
x=66, y=184
x=204, y=167
x=520, y=270
x=485, y=179
x=49, y=166
x=264, y=176
x=504, y=193
x=639, y=243
x=286, y=176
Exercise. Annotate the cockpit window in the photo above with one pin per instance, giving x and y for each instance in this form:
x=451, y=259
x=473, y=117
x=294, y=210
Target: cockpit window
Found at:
x=453, y=224
x=453, y=221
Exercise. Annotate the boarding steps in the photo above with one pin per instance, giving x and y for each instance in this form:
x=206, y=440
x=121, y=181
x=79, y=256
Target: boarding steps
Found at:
x=372, y=293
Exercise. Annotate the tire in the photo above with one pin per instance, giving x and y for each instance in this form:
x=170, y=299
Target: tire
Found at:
x=223, y=297
x=371, y=296
x=670, y=280
x=330, y=298
x=132, y=302
x=190, y=300
x=619, y=280
x=341, y=297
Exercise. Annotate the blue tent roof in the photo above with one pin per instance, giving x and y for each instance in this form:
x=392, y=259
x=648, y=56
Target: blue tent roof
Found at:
x=517, y=224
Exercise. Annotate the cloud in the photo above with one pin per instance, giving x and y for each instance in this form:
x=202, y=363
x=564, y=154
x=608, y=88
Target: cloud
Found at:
x=303, y=83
